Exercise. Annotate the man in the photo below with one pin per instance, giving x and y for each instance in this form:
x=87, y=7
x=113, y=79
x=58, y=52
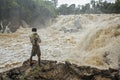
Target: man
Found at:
x=35, y=40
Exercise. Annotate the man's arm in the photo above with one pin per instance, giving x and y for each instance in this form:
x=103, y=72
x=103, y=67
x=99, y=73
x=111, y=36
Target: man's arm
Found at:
x=30, y=38
x=39, y=40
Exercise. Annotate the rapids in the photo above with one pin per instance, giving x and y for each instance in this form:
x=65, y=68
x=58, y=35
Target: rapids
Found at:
x=87, y=39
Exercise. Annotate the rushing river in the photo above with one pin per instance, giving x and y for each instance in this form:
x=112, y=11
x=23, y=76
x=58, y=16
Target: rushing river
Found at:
x=90, y=40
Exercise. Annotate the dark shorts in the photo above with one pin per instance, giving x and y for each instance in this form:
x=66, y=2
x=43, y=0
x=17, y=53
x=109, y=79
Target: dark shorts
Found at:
x=36, y=51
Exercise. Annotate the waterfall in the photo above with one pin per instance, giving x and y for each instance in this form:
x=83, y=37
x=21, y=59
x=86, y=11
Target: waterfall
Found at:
x=87, y=39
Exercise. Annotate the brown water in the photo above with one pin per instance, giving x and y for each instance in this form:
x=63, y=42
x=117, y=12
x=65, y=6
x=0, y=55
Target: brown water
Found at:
x=92, y=40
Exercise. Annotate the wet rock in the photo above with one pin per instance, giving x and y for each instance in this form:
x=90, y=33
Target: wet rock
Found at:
x=14, y=74
x=51, y=70
x=98, y=77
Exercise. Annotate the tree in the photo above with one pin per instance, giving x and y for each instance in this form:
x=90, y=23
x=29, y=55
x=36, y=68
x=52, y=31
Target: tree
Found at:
x=71, y=9
x=93, y=3
x=77, y=10
x=117, y=6
x=55, y=3
x=28, y=10
x=63, y=9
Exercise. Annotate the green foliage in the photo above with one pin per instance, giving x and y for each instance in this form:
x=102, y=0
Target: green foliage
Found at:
x=27, y=10
x=48, y=7
x=95, y=7
x=63, y=9
x=117, y=6
x=54, y=2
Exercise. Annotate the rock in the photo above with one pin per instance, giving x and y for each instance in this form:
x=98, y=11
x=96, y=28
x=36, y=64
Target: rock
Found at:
x=51, y=70
x=101, y=78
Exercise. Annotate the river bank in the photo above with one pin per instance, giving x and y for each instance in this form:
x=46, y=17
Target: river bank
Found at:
x=51, y=70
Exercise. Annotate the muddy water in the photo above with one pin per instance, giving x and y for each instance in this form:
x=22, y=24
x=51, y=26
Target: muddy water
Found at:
x=92, y=40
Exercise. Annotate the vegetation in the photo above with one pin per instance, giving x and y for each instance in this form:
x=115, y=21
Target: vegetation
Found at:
x=12, y=12
x=94, y=7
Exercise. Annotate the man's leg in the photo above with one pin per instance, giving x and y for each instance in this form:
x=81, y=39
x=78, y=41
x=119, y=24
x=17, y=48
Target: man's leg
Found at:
x=39, y=60
x=39, y=56
x=30, y=60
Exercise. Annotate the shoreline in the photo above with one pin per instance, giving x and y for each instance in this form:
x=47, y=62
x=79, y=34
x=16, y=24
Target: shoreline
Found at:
x=51, y=70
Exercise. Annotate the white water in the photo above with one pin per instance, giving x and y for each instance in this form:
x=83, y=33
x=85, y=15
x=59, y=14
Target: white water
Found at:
x=91, y=40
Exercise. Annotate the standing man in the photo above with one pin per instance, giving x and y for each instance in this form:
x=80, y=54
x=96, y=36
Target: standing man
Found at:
x=35, y=40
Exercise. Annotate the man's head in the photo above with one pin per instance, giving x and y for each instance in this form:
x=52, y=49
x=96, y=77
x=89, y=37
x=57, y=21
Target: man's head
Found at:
x=34, y=30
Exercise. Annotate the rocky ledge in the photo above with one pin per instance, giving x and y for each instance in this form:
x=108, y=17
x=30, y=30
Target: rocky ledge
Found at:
x=51, y=70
